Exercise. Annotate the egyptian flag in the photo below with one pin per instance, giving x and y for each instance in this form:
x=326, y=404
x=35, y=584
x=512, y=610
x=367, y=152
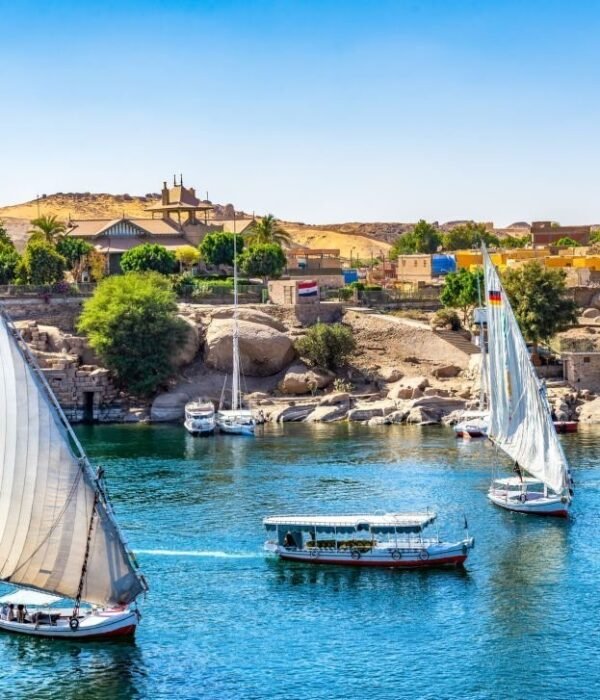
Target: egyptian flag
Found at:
x=494, y=298
x=309, y=288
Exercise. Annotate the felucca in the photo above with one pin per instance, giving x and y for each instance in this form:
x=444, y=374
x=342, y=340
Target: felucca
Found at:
x=520, y=420
x=58, y=535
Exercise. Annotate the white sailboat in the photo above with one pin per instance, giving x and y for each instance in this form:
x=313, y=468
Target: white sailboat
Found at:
x=237, y=420
x=58, y=535
x=520, y=421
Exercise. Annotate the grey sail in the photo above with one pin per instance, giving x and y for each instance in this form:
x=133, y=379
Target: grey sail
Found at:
x=520, y=421
x=48, y=494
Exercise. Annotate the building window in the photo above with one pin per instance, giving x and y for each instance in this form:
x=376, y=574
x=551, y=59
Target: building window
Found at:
x=586, y=359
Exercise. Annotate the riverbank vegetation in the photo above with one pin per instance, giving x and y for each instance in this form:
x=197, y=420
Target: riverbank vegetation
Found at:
x=131, y=322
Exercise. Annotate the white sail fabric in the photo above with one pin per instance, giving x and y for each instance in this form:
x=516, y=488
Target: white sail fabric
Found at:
x=47, y=496
x=520, y=422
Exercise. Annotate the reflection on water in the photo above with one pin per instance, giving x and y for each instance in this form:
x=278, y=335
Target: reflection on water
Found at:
x=224, y=621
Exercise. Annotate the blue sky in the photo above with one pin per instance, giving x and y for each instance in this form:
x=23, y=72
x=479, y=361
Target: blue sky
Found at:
x=318, y=111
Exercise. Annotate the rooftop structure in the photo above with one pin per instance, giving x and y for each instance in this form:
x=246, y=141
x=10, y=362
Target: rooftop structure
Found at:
x=178, y=200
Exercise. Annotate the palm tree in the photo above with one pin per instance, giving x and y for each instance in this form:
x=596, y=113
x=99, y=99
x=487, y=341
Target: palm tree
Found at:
x=47, y=228
x=268, y=230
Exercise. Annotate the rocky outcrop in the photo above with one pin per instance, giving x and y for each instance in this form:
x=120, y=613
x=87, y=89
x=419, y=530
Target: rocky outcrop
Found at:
x=446, y=372
x=408, y=388
x=188, y=351
x=169, y=406
x=250, y=315
x=327, y=414
x=589, y=412
x=336, y=398
x=366, y=411
x=300, y=379
x=264, y=351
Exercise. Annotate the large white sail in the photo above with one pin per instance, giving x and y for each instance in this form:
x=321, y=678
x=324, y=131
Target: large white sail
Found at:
x=520, y=422
x=48, y=493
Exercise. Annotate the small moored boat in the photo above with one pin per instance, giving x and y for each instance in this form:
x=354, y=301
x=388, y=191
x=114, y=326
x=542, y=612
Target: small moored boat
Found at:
x=473, y=425
x=200, y=417
x=394, y=540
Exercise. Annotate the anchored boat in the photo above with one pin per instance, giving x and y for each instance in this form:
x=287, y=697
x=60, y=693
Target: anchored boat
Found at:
x=58, y=532
x=394, y=540
x=200, y=417
x=238, y=420
x=520, y=420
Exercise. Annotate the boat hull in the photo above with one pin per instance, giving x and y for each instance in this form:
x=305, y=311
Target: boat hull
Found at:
x=237, y=429
x=565, y=426
x=438, y=555
x=550, y=506
x=199, y=430
x=95, y=627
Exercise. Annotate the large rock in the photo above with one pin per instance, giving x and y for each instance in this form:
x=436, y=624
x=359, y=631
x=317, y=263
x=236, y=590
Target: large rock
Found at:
x=188, y=351
x=390, y=374
x=337, y=397
x=300, y=379
x=169, y=406
x=446, y=372
x=327, y=414
x=408, y=388
x=421, y=416
x=589, y=412
x=288, y=414
x=251, y=315
x=264, y=350
x=375, y=409
x=591, y=313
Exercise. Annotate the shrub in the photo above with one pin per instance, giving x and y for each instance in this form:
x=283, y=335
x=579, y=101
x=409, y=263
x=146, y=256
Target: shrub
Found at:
x=131, y=322
x=326, y=345
x=9, y=263
x=359, y=286
x=344, y=385
x=373, y=287
x=446, y=317
x=41, y=264
x=149, y=257
x=345, y=293
x=183, y=285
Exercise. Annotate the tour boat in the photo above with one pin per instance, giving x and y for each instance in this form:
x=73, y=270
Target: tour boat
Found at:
x=237, y=420
x=58, y=532
x=200, y=417
x=393, y=540
x=520, y=420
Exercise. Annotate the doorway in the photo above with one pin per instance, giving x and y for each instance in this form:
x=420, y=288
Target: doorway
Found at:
x=88, y=406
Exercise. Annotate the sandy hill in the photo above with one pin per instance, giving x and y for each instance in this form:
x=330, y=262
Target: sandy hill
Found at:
x=353, y=240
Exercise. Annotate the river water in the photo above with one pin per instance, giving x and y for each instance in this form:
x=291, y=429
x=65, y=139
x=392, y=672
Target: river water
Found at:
x=224, y=621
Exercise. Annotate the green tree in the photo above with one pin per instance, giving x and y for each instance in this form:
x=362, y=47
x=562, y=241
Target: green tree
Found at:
x=469, y=235
x=217, y=248
x=41, y=263
x=326, y=345
x=460, y=291
x=5, y=239
x=424, y=238
x=73, y=250
x=263, y=260
x=540, y=300
x=595, y=237
x=566, y=242
x=47, y=228
x=9, y=263
x=267, y=230
x=131, y=322
x=187, y=255
x=149, y=257
x=509, y=242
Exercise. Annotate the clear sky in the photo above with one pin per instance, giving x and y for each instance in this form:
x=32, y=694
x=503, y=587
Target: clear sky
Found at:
x=316, y=111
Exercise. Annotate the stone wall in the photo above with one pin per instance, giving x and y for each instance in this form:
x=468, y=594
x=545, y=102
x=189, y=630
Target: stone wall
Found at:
x=61, y=312
x=582, y=370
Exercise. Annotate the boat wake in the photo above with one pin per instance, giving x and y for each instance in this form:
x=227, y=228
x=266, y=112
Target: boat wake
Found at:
x=209, y=554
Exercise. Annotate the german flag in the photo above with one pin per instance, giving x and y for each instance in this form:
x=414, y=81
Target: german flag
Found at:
x=494, y=298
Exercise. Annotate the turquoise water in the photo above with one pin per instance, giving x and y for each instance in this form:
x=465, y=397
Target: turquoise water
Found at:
x=223, y=621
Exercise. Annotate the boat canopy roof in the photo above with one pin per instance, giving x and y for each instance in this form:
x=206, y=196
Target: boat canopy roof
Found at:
x=388, y=522
x=25, y=596
x=517, y=481
x=236, y=413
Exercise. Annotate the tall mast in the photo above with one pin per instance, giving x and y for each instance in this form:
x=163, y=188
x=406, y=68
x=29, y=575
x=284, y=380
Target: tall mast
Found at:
x=235, y=380
x=483, y=374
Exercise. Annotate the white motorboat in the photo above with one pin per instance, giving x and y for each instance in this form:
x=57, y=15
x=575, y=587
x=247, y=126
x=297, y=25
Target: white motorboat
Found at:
x=393, y=540
x=237, y=420
x=58, y=533
x=473, y=425
x=520, y=419
x=200, y=417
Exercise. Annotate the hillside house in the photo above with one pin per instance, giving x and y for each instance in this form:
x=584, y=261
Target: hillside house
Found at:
x=544, y=233
x=182, y=219
x=322, y=264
